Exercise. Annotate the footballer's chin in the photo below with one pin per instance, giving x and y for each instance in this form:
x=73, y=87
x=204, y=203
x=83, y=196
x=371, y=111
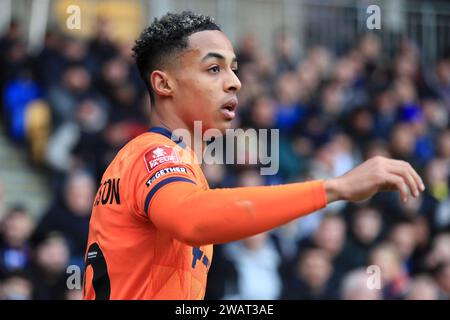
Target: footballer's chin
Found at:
x=218, y=123
x=219, y=128
x=224, y=124
x=215, y=127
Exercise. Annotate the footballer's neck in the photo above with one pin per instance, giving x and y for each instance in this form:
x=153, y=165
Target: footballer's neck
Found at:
x=171, y=122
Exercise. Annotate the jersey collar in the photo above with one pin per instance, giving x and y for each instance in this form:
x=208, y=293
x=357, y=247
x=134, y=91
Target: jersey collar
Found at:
x=167, y=133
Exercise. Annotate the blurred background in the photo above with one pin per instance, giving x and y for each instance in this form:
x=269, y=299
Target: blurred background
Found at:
x=338, y=92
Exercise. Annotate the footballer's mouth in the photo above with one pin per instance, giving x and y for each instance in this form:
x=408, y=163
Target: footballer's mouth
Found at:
x=229, y=107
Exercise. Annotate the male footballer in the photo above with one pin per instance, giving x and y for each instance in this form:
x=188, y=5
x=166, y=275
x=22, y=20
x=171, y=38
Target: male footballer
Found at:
x=154, y=219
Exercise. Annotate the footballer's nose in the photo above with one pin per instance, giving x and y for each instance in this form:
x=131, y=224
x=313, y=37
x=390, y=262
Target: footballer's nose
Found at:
x=233, y=84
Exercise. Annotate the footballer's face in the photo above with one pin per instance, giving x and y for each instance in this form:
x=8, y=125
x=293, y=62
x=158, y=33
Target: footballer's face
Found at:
x=206, y=84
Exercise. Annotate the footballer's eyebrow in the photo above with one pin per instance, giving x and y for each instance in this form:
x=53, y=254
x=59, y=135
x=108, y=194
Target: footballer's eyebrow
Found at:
x=216, y=55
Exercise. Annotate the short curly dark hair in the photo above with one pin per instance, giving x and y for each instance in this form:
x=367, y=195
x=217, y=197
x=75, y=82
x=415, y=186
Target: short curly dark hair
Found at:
x=164, y=37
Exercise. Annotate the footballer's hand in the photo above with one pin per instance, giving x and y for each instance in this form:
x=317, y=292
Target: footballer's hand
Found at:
x=375, y=175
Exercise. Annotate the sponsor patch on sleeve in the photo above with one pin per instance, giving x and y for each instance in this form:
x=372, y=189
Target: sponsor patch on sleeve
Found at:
x=160, y=173
x=160, y=155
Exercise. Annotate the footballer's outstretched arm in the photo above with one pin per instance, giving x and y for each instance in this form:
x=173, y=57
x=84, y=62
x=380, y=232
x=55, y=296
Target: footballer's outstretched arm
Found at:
x=198, y=217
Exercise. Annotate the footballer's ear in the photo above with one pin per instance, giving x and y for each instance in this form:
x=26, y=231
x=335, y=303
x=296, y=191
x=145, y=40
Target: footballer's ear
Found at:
x=161, y=83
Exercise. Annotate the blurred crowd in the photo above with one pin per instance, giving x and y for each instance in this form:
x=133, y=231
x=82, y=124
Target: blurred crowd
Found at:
x=75, y=103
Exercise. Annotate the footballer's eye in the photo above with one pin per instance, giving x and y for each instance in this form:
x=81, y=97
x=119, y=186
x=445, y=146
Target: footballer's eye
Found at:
x=214, y=69
x=235, y=71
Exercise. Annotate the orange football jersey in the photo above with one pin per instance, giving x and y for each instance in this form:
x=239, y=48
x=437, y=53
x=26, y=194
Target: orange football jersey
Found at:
x=127, y=257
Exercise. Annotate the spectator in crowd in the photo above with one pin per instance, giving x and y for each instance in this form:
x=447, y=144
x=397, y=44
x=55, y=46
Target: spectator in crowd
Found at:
x=354, y=286
x=365, y=232
x=48, y=272
x=73, y=294
x=423, y=287
x=402, y=237
x=78, y=142
x=18, y=93
x=74, y=87
x=442, y=275
x=15, y=248
x=330, y=236
x=310, y=278
x=439, y=252
x=69, y=215
x=17, y=285
x=394, y=277
x=101, y=47
x=12, y=54
x=257, y=261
